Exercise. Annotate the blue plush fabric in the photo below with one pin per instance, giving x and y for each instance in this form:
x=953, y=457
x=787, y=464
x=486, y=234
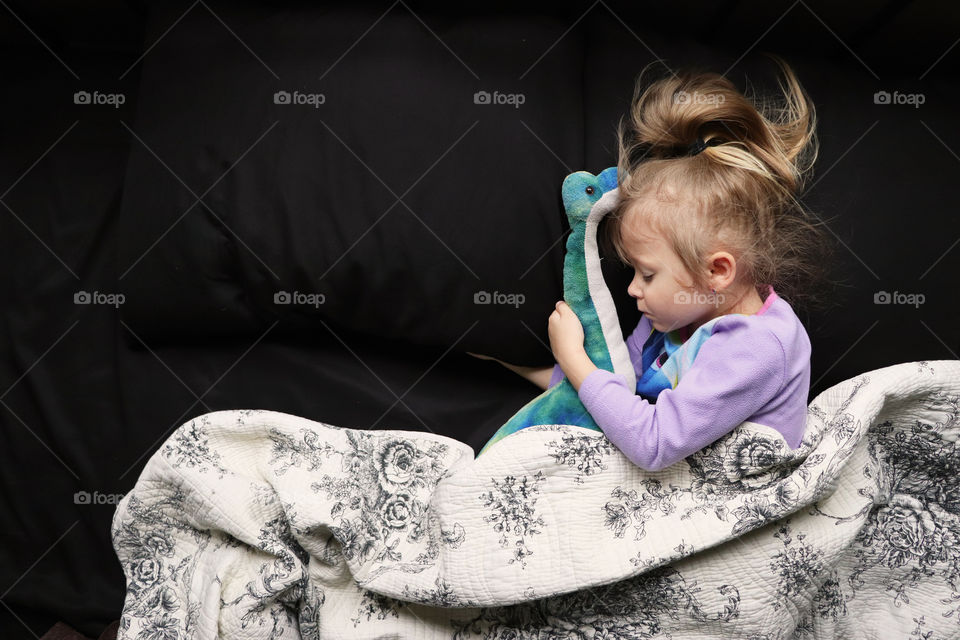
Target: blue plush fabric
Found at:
x=586, y=199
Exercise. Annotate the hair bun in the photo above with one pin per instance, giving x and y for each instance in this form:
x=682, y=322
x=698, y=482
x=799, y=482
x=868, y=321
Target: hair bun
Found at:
x=670, y=115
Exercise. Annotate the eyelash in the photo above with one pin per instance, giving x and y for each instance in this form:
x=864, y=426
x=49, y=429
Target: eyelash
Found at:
x=648, y=278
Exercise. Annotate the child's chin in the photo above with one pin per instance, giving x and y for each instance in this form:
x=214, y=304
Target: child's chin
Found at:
x=663, y=327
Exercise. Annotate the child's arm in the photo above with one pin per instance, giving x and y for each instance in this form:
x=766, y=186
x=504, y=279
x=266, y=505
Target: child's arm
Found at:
x=635, y=342
x=539, y=376
x=737, y=371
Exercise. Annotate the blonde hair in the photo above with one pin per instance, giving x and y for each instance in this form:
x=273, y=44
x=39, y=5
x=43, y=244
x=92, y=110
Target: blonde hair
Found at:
x=738, y=196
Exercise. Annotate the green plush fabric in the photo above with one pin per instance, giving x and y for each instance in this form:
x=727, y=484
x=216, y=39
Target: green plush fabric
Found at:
x=586, y=199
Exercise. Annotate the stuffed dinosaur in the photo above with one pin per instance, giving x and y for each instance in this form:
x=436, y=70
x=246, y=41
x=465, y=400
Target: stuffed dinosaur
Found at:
x=586, y=199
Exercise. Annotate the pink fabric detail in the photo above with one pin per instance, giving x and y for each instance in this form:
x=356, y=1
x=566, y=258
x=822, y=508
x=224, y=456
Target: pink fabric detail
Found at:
x=767, y=302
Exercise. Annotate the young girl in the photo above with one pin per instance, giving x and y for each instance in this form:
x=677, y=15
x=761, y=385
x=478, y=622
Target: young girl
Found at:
x=709, y=221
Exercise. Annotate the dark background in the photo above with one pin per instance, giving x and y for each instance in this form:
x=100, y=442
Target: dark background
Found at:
x=397, y=199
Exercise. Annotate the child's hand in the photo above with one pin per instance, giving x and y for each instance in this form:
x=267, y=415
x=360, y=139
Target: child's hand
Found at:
x=566, y=340
x=481, y=357
x=566, y=333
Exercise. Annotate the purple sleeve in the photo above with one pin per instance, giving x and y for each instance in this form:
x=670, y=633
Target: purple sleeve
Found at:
x=557, y=375
x=736, y=372
x=634, y=343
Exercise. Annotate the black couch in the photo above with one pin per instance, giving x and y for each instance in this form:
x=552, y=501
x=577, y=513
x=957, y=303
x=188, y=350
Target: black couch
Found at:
x=188, y=226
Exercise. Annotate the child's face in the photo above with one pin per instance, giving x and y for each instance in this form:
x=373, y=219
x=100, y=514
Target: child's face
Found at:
x=661, y=284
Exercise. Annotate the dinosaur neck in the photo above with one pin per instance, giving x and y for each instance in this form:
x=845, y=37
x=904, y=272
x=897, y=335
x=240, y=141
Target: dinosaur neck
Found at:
x=577, y=292
x=577, y=289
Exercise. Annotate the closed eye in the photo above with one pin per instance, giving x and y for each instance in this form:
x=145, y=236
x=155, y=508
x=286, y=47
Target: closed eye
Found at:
x=648, y=278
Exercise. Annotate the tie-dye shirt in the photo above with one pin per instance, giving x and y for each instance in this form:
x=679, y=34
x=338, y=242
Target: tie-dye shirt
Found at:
x=693, y=389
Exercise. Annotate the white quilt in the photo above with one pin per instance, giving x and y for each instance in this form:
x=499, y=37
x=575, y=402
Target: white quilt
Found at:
x=257, y=524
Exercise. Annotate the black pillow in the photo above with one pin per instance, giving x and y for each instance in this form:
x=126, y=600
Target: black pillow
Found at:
x=299, y=129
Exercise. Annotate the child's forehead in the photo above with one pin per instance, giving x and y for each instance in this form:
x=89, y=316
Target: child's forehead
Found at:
x=641, y=235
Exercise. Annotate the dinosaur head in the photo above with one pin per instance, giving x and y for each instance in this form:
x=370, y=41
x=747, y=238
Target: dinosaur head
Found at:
x=582, y=190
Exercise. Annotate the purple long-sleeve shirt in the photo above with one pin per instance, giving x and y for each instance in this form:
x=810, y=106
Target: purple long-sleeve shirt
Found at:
x=735, y=368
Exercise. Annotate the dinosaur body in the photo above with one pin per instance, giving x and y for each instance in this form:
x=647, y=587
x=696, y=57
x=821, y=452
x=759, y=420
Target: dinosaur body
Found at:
x=586, y=199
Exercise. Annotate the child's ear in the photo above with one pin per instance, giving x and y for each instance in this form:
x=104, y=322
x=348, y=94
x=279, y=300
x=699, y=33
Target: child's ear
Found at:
x=722, y=267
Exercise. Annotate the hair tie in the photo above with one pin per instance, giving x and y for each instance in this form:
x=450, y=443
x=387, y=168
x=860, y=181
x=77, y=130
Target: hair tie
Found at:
x=640, y=152
x=699, y=145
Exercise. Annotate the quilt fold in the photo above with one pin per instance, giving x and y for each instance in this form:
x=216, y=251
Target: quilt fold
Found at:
x=259, y=524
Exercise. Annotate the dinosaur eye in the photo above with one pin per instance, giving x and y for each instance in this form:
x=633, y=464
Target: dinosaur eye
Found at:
x=589, y=191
